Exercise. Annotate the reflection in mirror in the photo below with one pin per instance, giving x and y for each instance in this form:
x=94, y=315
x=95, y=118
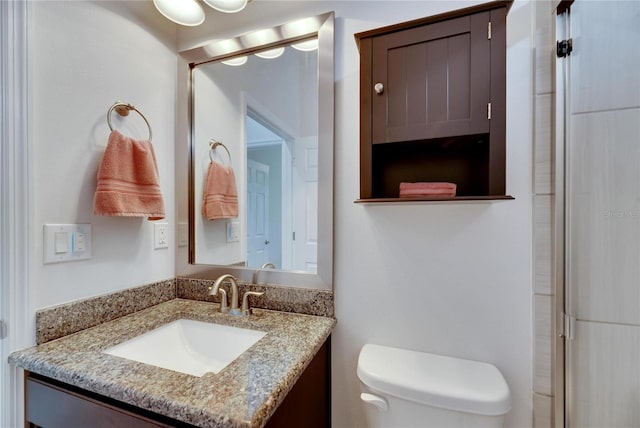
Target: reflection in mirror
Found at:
x=264, y=110
x=267, y=96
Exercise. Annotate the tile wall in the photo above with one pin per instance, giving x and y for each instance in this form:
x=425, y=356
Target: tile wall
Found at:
x=543, y=209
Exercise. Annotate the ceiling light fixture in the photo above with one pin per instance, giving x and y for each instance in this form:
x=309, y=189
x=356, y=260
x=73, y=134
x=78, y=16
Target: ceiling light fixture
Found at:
x=183, y=12
x=190, y=13
x=271, y=53
x=227, y=6
x=239, y=60
x=306, y=46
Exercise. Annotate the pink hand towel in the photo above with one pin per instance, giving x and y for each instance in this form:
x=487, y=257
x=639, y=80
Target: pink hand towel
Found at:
x=128, y=183
x=440, y=190
x=220, y=197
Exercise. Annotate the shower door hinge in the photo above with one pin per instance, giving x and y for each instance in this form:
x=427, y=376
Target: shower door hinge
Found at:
x=3, y=329
x=564, y=48
x=489, y=111
x=569, y=327
x=489, y=30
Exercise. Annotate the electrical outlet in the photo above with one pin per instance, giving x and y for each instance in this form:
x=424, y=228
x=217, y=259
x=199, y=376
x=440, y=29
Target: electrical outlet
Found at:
x=160, y=235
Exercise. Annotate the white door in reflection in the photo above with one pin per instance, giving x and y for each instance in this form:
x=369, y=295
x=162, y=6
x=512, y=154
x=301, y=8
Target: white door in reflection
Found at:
x=267, y=202
x=305, y=199
x=282, y=215
x=258, y=237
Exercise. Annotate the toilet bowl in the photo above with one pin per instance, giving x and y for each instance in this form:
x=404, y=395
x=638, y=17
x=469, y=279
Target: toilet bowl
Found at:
x=409, y=389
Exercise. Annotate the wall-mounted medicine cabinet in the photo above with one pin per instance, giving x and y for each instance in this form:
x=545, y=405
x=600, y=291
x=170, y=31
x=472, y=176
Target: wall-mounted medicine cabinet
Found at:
x=432, y=104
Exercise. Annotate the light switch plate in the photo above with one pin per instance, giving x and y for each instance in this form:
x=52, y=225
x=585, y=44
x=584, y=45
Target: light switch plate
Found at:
x=233, y=231
x=66, y=242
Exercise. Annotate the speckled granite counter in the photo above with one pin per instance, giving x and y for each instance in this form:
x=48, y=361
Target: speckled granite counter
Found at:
x=243, y=394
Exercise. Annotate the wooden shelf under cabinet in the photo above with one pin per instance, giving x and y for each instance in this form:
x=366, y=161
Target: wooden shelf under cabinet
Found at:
x=425, y=199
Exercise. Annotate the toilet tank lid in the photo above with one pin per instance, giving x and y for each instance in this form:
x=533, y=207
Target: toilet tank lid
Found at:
x=435, y=380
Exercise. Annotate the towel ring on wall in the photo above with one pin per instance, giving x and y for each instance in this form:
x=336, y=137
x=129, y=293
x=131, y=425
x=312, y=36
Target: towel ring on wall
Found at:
x=214, y=145
x=123, y=109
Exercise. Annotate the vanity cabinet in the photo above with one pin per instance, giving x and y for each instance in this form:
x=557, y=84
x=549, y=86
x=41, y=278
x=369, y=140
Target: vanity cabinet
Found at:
x=53, y=404
x=432, y=103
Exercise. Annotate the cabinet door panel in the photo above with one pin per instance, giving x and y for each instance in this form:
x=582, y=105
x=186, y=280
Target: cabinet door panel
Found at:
x=416, y=69
x=437, y=75
x=436, y=81
x=459, y=84
x=49, y=406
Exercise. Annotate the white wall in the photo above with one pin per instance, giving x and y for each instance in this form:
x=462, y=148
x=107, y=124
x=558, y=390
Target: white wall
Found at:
x=447, y=278
x=83, y=57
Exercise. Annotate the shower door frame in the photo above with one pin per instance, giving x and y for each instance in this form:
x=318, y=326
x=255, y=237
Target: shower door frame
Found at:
x=565, y=375
x=561, y=29
x=561, y=332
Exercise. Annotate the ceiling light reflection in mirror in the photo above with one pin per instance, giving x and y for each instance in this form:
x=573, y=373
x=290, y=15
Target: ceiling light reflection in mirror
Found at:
x=271, y=53
x=235, y=62
x=306, y=46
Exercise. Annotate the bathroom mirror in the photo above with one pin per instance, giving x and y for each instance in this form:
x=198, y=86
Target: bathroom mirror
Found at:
x=267, y=97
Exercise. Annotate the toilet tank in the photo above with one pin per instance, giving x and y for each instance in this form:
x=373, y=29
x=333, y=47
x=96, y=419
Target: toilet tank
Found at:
x=403, y=388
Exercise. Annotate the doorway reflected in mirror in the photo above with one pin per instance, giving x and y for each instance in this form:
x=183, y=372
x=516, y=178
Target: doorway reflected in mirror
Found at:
x=282, y=197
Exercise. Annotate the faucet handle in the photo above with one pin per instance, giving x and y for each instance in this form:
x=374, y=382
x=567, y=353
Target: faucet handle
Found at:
x=224, y=306
x=246, y=310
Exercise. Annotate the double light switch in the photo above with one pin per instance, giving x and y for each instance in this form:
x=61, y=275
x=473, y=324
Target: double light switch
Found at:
x=66, y=242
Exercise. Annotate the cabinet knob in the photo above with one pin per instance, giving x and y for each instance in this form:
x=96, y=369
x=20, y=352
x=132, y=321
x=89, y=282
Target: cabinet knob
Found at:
x=379, y=88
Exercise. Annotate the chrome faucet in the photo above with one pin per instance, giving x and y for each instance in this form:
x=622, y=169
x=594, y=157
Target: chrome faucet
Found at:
x=235, y=309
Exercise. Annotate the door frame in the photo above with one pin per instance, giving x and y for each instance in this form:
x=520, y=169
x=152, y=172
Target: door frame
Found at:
x=15, y=202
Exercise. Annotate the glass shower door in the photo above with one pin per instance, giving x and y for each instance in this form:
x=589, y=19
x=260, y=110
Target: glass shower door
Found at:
x=603, y=215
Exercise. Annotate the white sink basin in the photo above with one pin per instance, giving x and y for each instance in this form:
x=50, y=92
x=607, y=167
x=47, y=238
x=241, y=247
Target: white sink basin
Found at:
x=188, y=346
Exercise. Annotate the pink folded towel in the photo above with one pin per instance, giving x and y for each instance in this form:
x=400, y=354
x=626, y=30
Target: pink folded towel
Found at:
x=434, y=190
x=220, y=197
x=128, y=183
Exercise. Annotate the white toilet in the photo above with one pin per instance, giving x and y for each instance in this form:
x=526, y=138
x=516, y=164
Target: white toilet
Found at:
x=402, y=388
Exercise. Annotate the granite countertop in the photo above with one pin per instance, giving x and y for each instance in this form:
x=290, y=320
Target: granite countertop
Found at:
x=244, y=394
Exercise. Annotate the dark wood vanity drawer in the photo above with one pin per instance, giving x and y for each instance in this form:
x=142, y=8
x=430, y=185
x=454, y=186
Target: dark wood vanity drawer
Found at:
x=54, y=406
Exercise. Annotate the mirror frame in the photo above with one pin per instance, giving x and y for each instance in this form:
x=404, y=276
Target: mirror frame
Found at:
x=322, y=27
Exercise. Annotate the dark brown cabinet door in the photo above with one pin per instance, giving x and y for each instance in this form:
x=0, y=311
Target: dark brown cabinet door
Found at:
x=434, y=81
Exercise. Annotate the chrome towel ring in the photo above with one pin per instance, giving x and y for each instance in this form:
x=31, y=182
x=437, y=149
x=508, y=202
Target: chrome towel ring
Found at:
x=123, y=109
x=214, y=144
